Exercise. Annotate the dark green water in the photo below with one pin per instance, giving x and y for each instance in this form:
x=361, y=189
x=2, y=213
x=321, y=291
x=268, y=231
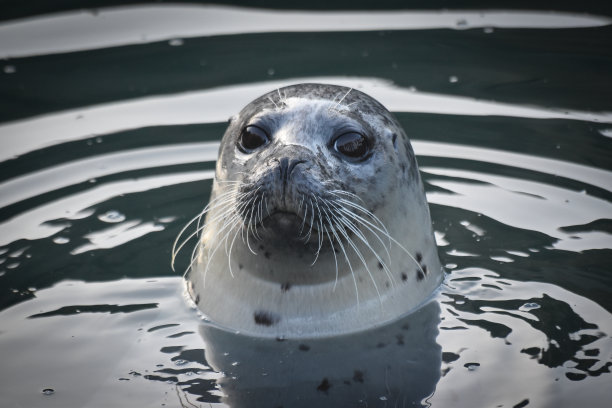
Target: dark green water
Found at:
x=109, y=125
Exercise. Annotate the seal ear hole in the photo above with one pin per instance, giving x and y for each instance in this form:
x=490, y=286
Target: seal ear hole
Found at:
x=251, y=138
x=352, y=145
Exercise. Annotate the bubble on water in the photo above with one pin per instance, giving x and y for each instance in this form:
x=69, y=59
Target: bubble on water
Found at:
x=98, y=139
x=471, y=366
x=32, y=289
x=450, y=265
x=180, y=362
x=48, y=391
x=112, y=217
x=61, y=240
x=235, y=363
x=529, y=306
x=10, y=69
x=176, y=42
x=452, y=79
x=488, y=30
x=383, y=398
x=271, y=71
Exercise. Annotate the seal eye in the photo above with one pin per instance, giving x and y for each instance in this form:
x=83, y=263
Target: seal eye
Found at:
x=352, y=144
x=251, y=138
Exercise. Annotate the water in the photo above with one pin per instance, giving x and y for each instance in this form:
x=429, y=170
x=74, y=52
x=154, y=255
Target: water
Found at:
x=110, y=122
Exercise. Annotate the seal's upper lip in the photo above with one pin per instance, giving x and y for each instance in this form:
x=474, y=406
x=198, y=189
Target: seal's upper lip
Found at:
x=288, y=221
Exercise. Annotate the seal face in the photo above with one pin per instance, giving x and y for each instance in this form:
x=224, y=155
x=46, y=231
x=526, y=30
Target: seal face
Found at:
x=318, y=223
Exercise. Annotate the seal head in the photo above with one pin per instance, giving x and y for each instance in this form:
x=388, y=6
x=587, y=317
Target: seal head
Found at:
x=318, y=223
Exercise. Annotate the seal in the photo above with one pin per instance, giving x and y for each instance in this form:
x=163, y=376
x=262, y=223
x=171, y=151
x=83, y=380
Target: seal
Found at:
x=317, y=224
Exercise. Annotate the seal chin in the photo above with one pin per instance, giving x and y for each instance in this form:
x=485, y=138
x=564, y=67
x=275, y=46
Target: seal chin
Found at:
x=284, y=224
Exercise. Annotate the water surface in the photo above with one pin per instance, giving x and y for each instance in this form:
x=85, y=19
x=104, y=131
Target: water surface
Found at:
x=110, y=121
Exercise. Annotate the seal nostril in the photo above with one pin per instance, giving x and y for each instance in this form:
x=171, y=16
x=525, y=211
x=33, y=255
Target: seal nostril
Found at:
x=293, y=164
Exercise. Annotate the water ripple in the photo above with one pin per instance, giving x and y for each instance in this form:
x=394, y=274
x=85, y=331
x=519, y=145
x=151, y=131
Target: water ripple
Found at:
x=119, y=26
x=218, y=104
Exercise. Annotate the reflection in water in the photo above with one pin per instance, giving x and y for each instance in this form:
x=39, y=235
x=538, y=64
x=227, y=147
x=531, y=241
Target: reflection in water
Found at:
x=222, y=102
x=113, y=27
x=534, y=336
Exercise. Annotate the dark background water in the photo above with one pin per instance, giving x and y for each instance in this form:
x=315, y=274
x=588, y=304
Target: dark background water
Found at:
x=105, y=157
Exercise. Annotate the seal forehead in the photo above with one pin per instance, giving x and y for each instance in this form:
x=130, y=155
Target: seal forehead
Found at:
x=303, y=119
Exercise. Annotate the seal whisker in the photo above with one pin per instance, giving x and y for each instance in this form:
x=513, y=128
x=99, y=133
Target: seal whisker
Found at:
x=175, y=249
x=357, y=231
x=311, y=221
x=236, y=223
x=272, y=100
x=229, y=254
x=331, y=243
x=366, y=212
x=341, y=99
x=319, y=232
x=198, y=217
x=304, y=217
x=366, y=224
x=360, y=235
x=227, y=221
x=333, y=230
x=251, y=223
x=360, y=256
x=396, y=242
x=239, y=211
